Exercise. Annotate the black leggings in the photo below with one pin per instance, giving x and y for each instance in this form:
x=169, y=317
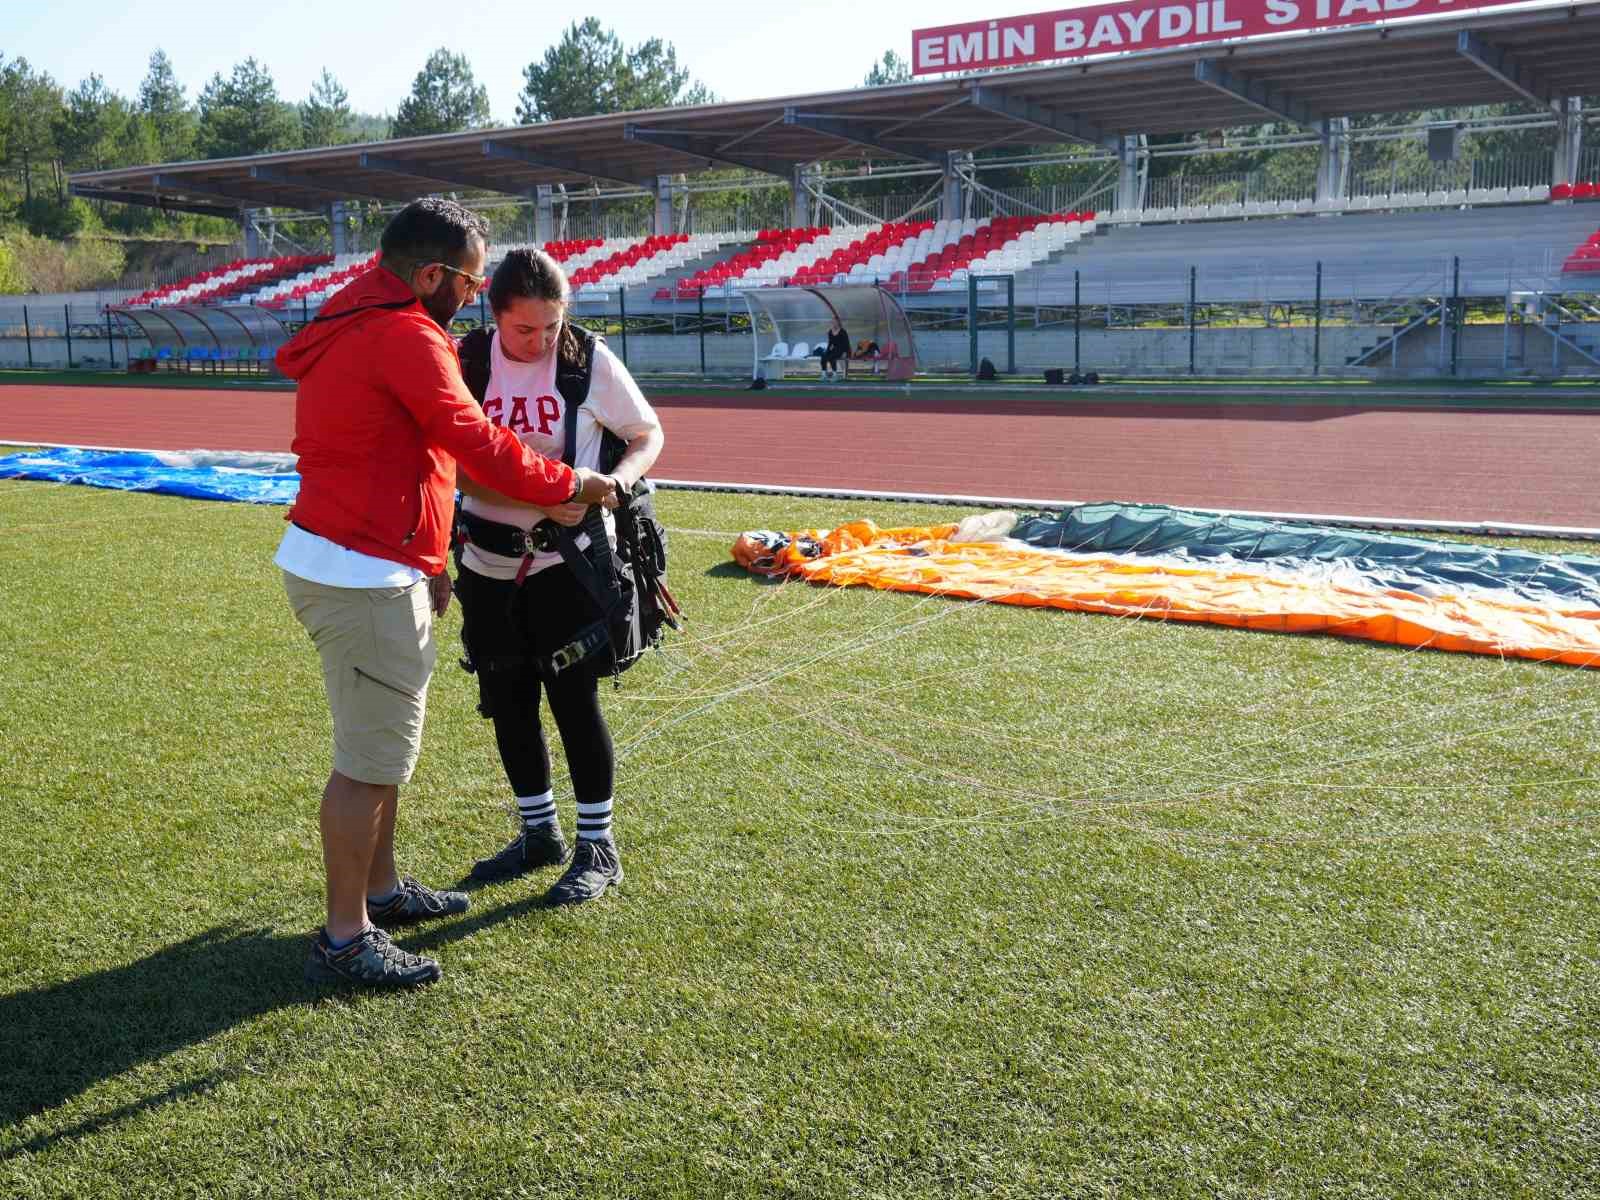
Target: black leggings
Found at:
x=830, y=361
x=503, y=628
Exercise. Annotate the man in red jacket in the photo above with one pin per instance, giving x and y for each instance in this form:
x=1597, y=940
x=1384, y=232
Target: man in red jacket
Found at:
x=381, y=418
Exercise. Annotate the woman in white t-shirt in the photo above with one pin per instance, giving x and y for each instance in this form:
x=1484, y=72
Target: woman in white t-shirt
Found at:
x=521, y=609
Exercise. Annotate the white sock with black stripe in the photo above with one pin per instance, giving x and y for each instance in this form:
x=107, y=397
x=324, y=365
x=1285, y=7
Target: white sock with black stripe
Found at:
x=537, y=811
x=594, y=821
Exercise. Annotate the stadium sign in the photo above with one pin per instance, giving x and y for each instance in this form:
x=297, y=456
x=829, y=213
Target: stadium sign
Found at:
x=1147, y=25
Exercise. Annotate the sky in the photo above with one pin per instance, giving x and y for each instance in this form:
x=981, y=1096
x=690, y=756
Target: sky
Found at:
x=741, y=51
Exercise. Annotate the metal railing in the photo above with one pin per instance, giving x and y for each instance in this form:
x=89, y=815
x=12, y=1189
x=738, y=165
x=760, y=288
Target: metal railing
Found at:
x=1242, y=187
x=1589, y=163
x=1465, y=175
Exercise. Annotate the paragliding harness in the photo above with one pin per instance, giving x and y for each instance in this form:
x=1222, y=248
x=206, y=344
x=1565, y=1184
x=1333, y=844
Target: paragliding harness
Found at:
x=628, y=584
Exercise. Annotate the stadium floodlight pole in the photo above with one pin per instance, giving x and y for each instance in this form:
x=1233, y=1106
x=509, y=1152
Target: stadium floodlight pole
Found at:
x=27, y=334
x=66, y=310
x=111, y=346
x=700, y=306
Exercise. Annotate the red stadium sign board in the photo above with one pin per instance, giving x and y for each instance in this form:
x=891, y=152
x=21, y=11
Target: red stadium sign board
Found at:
x=1148, y=25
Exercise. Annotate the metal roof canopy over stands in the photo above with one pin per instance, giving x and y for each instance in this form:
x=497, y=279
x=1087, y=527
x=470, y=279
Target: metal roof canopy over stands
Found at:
x=1543, y=50
x=213, y=334
x=785, y=320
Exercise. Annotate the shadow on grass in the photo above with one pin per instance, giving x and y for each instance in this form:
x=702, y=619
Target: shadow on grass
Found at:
x=63, y=1039
x=732, y=570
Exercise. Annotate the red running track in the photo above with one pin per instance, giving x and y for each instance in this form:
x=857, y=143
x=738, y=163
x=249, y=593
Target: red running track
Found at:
x=1526, y=467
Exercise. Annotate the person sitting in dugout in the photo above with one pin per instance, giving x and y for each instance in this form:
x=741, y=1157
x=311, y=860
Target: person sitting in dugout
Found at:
x=528, y=621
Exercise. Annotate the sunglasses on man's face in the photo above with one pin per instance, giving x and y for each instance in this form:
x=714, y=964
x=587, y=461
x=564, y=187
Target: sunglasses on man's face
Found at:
x=474, y=282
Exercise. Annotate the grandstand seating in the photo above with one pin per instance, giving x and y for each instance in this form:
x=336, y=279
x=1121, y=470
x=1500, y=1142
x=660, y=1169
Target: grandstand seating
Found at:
x=775, y=253
x=997, y=246
x=310, y=288
x=915, y=256
x=229, y=282
x=1238, y=259
x=563, y=251
x=1366, y=255
x=1586, y=258
x=1396, y=202
x=640, y=259
x=1399, y=201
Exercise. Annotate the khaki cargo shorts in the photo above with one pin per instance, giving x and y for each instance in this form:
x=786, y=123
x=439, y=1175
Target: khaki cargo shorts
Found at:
x=377, y=652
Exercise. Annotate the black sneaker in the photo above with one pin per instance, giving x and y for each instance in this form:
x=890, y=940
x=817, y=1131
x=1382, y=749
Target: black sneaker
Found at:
x=413, y=902
x=595, y=867
x=372, y=960
x=528, y=851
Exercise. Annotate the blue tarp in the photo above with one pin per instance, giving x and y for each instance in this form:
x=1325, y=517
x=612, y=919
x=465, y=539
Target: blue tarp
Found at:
x=197, y=474
x=1412, y=564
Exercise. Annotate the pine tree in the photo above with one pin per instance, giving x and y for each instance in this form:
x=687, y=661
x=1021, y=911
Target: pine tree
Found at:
x=162, y=102
x=242, y=115
x=325, y=118
x=445, y=98
x=589, y=72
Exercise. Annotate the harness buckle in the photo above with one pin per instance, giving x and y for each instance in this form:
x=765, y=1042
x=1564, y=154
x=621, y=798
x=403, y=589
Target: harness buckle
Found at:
x=568, y=656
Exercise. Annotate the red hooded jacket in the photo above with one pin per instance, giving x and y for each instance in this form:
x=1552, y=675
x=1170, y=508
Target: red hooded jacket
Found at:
x=380, y=417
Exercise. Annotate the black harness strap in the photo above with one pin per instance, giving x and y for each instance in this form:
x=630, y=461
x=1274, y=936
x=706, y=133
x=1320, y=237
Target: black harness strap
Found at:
x=586, y=567
x=596, y=567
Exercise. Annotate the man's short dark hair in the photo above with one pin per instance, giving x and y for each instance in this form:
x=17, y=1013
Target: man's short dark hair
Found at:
x=432, y=230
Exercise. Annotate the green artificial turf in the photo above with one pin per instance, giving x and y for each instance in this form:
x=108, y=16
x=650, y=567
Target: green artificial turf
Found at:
x=924, y=898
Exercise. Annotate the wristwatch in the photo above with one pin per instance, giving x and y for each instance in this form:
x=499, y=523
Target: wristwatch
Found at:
x=577, y=486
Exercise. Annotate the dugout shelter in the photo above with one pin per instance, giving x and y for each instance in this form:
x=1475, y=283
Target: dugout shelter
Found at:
x=195, y=335
x=789, y=324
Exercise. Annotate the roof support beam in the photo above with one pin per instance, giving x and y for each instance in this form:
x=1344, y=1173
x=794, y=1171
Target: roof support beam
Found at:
x=860, y=133
x=1275, y=102
x=701, y=146
x=217, y=191
x=1505, y=67
x=1064, y=125
x=337, y=188
x=451, y=175
x=115, y=197
x=569, y=164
